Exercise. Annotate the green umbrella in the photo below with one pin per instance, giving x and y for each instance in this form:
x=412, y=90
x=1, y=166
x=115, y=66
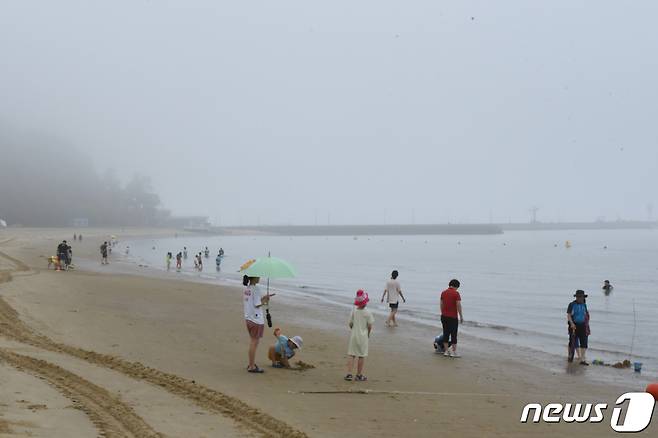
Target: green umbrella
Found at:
x=270, y=267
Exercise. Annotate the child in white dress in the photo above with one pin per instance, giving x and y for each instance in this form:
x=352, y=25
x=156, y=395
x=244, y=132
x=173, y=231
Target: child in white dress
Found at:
x=361, y=322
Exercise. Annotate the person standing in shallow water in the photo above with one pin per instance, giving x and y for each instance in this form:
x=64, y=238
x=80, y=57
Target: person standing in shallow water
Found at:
x=451, y=308
x=578, y=319
x=393, y=293
x=104, y=254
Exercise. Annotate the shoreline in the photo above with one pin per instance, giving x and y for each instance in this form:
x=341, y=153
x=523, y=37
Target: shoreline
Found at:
x=195, y=331
x=477, y=333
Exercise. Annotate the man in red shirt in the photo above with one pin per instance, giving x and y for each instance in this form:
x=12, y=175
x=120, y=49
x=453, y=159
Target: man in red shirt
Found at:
x=451, y=308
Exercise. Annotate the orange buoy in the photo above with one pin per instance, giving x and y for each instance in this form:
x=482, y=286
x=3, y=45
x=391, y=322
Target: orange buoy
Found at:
x=652, y=388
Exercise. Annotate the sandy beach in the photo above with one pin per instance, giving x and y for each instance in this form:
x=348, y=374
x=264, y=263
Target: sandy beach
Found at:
x=85, y=353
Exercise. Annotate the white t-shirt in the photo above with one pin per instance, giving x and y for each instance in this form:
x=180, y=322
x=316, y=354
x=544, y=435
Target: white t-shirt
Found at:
x=393, y=291
x=252, y=297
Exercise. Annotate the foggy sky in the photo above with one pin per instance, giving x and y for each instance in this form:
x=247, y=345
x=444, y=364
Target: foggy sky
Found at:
x=372, y=111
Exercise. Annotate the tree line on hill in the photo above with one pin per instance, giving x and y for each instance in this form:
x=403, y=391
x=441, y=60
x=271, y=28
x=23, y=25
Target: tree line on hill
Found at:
x=44, y=182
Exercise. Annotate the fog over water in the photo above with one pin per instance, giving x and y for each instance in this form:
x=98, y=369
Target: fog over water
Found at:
x=344, y=112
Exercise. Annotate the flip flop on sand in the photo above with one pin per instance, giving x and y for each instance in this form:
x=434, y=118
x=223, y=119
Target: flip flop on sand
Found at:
x=360, y=378
x=348, y=377
x=255, y=370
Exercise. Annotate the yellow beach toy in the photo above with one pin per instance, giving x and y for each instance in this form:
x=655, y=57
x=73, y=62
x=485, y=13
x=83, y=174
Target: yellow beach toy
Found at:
x=246, y=264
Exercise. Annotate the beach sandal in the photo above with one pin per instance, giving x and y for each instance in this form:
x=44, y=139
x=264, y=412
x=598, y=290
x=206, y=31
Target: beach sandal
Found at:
x=455, y=354
x=277, y=365
x=348, y=377
x=255, y=370
x=360, y=378
x=584, y=362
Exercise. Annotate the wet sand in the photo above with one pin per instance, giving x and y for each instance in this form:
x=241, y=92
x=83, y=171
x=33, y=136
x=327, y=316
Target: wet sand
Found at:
x=131, y=355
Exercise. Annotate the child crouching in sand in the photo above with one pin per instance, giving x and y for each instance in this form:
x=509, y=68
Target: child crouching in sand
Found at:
x=284, y=349
x=361, y=321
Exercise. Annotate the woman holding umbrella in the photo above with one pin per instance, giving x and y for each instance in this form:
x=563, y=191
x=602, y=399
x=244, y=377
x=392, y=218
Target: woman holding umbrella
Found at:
x=254, y=300
x=253, y=315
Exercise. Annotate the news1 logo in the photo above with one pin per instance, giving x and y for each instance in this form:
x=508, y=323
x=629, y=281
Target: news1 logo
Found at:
x=639, y=412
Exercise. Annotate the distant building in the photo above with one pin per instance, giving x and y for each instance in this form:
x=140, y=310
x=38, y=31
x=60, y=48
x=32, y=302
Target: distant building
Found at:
x=190, y=222
x=80, y=222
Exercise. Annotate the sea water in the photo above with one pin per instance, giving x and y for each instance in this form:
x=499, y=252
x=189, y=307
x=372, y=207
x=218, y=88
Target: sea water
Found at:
x=515, y=286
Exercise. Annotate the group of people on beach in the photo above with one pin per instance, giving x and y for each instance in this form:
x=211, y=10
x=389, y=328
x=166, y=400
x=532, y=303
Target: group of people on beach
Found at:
x=361, y=322
x=198, y=259
x=64, y=258
x=106, y=250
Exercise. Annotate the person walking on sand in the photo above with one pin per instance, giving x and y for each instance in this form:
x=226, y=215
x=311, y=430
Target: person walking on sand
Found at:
x=393, y=293
x=451, y=309
x=253, y=315
x=104, y=254
x=361, y=322
x=63, y=254
x=168, y=259
x=179, y=261
x=578, y=319
x=200, y=262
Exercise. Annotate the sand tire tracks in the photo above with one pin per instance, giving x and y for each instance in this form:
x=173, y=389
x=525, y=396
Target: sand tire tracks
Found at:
x=12, y=327
x=111, y=416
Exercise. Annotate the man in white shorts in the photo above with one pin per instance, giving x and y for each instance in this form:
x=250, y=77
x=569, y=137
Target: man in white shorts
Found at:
x=393, y=293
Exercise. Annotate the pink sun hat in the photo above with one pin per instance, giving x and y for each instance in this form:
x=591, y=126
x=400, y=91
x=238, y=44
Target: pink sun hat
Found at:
x=361, y=298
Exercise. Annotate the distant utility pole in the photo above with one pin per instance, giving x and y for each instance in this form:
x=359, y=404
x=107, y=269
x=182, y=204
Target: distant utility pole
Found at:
x=533, y=212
